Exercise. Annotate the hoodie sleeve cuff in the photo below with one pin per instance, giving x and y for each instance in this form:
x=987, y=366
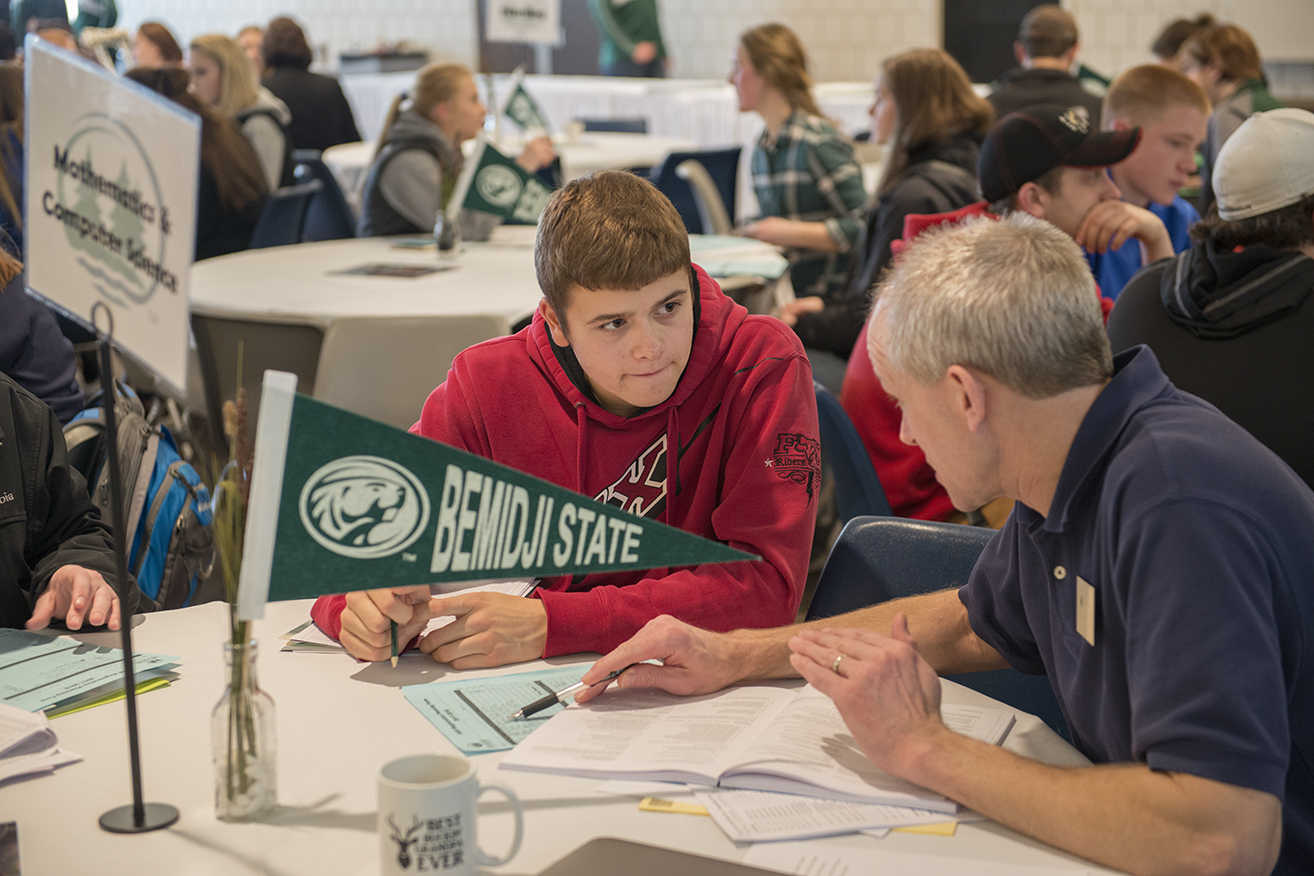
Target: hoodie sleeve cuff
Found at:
x=576, y=622
x=327, y=614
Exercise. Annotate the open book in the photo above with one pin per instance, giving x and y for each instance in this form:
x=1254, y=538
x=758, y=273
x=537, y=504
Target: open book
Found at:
x=760, y=738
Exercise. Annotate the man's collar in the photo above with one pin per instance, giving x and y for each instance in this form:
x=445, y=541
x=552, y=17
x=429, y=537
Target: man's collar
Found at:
x=1137, y=379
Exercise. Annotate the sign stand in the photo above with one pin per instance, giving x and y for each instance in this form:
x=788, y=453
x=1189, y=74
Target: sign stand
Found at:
x=139, y=817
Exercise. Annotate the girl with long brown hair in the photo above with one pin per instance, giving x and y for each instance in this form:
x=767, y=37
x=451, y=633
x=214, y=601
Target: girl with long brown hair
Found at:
x=232, y=184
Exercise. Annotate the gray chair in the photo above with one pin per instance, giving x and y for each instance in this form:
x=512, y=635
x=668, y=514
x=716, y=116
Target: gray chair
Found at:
x=385, y=368
x=281, y=344
x=877, y=559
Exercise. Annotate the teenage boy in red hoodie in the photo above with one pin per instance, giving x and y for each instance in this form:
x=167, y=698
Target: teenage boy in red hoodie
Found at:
x=641, y=384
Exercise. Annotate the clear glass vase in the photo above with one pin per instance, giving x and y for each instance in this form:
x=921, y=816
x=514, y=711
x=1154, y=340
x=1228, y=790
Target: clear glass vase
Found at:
x=447, y=235
x=243, y=741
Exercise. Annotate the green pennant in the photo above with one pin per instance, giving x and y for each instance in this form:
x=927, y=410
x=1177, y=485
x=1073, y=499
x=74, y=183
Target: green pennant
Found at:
x=364, y=505
x=522, y=109
x=500, y=186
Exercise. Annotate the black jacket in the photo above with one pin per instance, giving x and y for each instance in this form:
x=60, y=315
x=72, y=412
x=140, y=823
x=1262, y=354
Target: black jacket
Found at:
x=46, y=517
x=35, y=353
x=1235, y=329
x=938, y=179
x=1020, y=88
x=321, y=116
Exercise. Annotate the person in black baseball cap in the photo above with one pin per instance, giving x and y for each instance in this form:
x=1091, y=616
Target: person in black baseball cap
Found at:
x=1049, y=161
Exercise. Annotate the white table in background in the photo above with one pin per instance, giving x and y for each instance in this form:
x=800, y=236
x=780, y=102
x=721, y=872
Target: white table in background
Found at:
x=338, y=722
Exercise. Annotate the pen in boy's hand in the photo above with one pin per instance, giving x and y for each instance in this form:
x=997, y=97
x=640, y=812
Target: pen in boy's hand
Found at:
x=393, y=625
x=552, y=699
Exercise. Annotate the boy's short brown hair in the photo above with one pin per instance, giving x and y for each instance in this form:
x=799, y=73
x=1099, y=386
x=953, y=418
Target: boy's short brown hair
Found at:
x=608, y=230
x=1142, y=94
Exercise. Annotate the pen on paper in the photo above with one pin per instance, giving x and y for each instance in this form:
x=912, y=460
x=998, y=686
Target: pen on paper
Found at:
x=393, y=625
x=552, y=699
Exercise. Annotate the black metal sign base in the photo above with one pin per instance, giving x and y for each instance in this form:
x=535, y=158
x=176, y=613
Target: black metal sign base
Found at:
x=154, y=816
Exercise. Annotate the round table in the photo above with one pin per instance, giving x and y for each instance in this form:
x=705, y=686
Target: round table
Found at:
x=338, y=722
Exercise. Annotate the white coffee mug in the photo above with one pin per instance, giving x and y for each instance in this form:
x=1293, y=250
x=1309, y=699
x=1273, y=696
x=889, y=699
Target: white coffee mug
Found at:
x=427, y=817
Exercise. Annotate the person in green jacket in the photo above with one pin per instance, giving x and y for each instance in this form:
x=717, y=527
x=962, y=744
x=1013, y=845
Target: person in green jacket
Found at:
x=631, y=38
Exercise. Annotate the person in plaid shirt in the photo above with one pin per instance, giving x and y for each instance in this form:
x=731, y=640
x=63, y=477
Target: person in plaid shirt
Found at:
x=808, y=185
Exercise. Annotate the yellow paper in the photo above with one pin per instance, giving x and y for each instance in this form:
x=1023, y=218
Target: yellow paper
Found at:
x=148, y=684
x=657, y=804
x=944, y=828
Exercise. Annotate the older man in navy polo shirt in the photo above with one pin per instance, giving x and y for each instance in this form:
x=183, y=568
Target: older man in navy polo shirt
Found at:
x=1158, y=566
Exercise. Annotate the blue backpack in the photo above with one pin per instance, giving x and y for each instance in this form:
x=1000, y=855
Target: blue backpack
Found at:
x=166, y=506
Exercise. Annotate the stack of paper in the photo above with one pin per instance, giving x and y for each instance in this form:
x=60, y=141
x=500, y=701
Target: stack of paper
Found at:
x=755, y=740
x=39, y=673
x=28, y=745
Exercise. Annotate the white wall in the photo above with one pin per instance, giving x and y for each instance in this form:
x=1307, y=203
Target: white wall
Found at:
x=846, y=38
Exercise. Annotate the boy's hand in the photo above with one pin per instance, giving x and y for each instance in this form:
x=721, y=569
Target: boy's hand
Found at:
x=75, y=594
x=366, y=620
x=1110, y=224
x=491, y=629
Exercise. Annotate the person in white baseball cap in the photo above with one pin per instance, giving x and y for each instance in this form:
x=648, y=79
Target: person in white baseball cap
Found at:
x=1230, y=319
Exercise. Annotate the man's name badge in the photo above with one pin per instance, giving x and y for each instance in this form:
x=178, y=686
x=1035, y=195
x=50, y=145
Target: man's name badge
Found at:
x=1085, y=610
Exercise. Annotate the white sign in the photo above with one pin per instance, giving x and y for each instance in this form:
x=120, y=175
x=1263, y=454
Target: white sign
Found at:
x=522, y=21
x=111, y=203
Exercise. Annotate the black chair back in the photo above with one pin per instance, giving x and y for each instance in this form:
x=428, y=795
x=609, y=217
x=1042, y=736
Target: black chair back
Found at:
x=284, y=218
x=858, y=490
x=876, y=559
x=722, y=165
x=328, y=216
x=616, y=126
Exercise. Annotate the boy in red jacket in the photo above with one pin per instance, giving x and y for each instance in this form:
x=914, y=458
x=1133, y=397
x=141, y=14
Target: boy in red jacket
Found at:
x=639, y=384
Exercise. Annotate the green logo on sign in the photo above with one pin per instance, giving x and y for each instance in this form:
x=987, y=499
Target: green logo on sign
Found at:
x=108, y=199
x=364, y=507
x=498, y=185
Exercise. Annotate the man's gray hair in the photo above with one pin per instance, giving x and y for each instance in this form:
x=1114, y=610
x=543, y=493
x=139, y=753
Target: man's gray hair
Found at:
x=1012, y=298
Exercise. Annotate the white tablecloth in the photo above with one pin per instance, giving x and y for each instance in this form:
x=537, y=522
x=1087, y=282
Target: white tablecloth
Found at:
x=338, y=722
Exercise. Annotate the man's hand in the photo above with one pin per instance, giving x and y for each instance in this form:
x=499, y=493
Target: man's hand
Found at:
x=644, y=52
x=887, y=694
x=73, y=595
x=792, y=310
x=366, y=619
x=491, y=629
x=537, y=154
x=694, y=661
x=1110, y=224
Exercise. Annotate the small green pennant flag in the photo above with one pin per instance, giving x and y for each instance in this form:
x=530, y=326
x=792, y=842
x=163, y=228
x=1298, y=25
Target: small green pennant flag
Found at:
x=522, y=109
x=341, y=502
x=493, y=183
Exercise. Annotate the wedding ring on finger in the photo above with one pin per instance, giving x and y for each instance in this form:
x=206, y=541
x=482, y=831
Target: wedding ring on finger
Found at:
x=834, y=667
